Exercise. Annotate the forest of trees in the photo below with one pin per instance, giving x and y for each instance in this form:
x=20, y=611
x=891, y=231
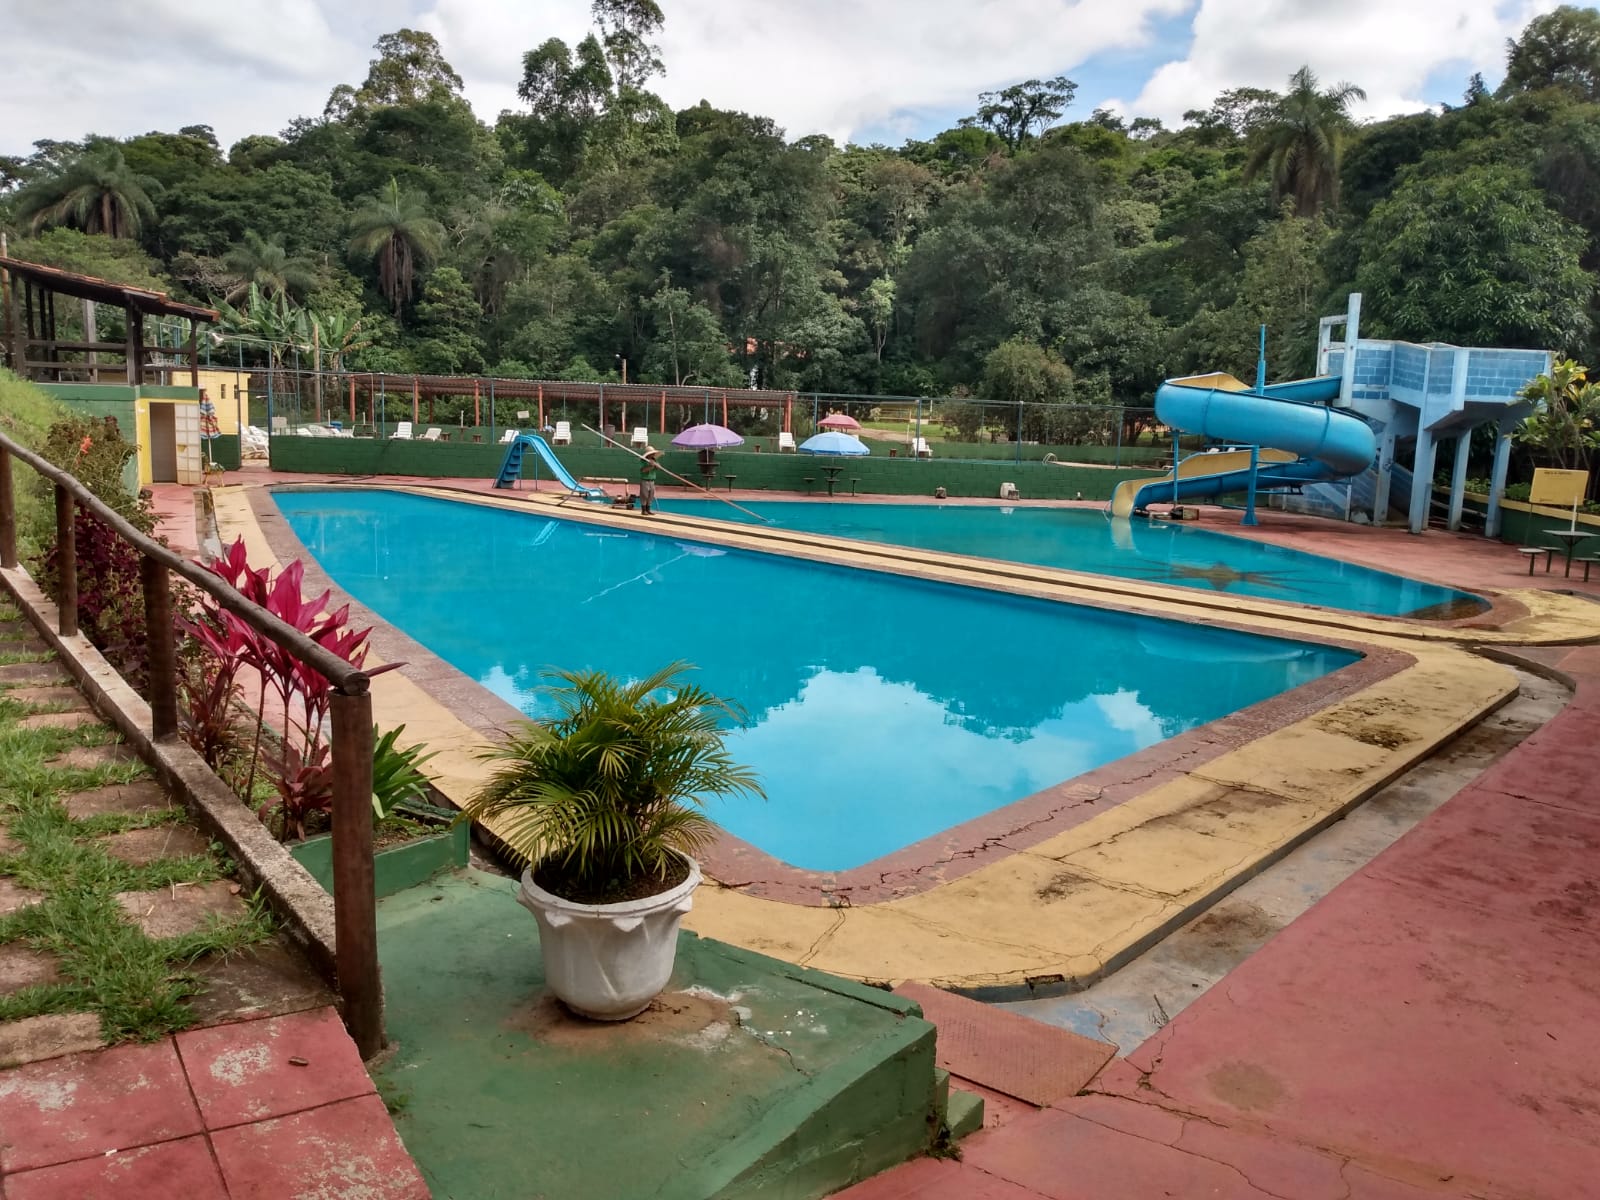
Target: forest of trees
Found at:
x=1020, y=255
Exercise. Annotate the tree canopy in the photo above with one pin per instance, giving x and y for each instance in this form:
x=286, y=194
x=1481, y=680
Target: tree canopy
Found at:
x=1030, y=249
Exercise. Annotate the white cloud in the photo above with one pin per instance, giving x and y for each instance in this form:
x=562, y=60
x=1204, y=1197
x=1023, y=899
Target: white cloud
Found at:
x=1387, y=48
x=831, y=66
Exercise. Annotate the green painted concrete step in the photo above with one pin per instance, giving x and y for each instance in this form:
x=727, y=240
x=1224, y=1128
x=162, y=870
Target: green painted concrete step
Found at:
x=963, y=1114
x=748, y=1077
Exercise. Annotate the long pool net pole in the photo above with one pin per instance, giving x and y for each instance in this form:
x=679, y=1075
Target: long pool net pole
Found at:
x=687, y=482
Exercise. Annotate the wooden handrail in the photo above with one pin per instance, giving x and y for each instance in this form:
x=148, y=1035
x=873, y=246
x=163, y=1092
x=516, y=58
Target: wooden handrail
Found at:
x=347, y=679
x=354, y=904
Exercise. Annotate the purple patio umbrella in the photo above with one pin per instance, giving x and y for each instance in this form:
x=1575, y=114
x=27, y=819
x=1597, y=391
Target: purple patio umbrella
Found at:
x=707, y=437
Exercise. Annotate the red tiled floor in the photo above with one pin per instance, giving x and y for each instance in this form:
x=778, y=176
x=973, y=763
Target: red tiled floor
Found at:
x=934, y=1179
x=346, y=1149
x=86, y=1104
x=1006, y=1052
x=181, y=1170
x=1066, y=1158
x=1426, y=1018
x=243, y=1072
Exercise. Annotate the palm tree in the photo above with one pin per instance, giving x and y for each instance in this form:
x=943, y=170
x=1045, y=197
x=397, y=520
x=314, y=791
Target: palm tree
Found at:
x=1301, y=143
x=270, y=267
x=394, y=228
x=339, y=334
x=609, y=788
x=97, y=192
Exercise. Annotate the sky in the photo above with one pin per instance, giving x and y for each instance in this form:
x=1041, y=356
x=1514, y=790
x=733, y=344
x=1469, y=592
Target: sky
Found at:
x=857, y=70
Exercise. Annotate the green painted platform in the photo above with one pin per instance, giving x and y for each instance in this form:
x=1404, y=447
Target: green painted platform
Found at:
x=748, y=1077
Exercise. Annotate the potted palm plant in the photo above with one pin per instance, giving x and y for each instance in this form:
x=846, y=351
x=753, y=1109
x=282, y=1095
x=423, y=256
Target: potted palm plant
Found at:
x=603, y=803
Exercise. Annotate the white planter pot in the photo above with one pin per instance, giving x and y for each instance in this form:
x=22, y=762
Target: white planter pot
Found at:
x=608, y=961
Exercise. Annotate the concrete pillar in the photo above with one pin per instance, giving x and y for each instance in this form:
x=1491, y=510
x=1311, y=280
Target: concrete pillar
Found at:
x=1422, y=481
x=1352, y=343
x=1497, y=482
x=1380, y=490
x=1458, y=478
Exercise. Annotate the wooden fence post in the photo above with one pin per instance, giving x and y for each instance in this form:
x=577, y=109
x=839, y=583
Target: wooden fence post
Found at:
x=8, y=513
x=354, y=907
x=162, y=648
x=67, y=562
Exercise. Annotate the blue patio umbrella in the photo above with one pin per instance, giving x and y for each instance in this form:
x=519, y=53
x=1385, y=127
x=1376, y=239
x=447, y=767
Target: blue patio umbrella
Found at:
x=837, y=444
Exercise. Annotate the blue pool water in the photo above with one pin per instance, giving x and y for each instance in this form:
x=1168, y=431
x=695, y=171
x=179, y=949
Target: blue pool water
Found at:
x=1083, y=540
x=882, y=710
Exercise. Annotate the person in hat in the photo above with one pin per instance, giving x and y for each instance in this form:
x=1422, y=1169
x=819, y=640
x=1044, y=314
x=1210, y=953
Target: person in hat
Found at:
x=647, y=480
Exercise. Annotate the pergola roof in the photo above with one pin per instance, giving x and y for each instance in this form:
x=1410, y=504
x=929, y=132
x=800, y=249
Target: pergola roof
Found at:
x=87, y=287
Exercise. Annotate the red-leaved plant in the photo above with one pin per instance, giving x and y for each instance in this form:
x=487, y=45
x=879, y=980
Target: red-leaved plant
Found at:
x=299, y=768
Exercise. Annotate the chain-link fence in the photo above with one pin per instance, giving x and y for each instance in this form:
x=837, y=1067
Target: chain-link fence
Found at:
x=302, y=403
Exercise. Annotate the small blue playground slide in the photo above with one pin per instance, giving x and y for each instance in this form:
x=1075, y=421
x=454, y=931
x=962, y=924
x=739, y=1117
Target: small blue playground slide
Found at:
x=511, y=468
x=1302, y=439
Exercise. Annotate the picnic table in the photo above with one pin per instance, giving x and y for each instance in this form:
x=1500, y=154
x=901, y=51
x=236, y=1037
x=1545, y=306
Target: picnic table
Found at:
x=1569, y=539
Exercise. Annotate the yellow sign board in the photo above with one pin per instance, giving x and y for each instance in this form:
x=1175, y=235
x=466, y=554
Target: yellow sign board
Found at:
x=1558, y=487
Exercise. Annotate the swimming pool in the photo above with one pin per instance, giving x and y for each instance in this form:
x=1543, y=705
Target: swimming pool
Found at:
x=1084, y=540
x=883, y=710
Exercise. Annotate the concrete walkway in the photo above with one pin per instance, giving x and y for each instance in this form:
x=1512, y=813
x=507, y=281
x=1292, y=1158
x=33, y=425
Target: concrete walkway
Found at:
x=1419, y=1033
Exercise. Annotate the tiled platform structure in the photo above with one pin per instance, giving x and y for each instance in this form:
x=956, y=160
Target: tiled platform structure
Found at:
x=1432, y=393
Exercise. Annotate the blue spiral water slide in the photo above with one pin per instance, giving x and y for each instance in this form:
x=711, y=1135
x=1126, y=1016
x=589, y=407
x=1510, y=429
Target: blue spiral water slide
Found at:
x=1302, y=439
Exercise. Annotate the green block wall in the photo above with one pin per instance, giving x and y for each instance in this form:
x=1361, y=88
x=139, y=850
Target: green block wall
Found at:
x=1519, y=528
x=101, y=400
x=225, y=451
x=758, y=471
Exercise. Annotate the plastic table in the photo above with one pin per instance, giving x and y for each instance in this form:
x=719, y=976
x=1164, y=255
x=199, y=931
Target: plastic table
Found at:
x=1569, y=539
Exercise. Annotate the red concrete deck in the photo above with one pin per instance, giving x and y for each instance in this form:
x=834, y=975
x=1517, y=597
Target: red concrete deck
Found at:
x=260, y=1110
x=1419, y=1033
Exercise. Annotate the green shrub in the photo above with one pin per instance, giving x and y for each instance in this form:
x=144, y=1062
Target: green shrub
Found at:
x=26, y=415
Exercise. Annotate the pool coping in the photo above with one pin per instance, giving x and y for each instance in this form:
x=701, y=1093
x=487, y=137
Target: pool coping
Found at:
x=1055, y=914
x=952, y=852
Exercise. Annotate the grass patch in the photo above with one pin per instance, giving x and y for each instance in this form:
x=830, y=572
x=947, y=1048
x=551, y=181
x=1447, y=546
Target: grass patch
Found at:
x=137, y=985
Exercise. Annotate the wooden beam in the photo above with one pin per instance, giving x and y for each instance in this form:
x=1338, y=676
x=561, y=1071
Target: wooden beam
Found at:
x=66, y=564
x=8, y=513
x=110, y=347
x=130, y=350
x=162, y=684
x=354, y=907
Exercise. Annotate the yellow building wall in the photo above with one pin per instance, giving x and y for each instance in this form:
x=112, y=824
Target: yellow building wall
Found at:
x=230, y=392
x=141, y=426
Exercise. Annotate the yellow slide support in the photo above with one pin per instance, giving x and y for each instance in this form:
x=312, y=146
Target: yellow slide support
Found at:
x=1194, y=467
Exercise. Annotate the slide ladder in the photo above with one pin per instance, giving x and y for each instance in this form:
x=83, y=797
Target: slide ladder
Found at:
x=511, y=467
x=1309, y=442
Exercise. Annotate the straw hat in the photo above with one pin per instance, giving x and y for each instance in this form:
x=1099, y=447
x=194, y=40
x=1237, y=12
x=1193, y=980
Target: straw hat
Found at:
x=652, y=453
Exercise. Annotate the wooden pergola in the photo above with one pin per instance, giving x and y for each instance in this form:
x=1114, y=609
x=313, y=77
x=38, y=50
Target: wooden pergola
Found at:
x=544, y=394
x=32, y=349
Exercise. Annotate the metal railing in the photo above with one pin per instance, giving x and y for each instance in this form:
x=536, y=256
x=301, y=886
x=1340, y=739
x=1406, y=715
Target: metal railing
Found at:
x=355, y=911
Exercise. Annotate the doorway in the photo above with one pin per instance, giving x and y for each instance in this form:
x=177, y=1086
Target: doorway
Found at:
x=163, y=444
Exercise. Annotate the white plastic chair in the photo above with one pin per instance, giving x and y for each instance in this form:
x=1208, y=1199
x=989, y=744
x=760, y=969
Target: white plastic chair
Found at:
x=920, y=448
x=641, y=436
x=785, y=442
x=563, y=434
x=508, y=437
x=402, y=431
x=432, y=434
